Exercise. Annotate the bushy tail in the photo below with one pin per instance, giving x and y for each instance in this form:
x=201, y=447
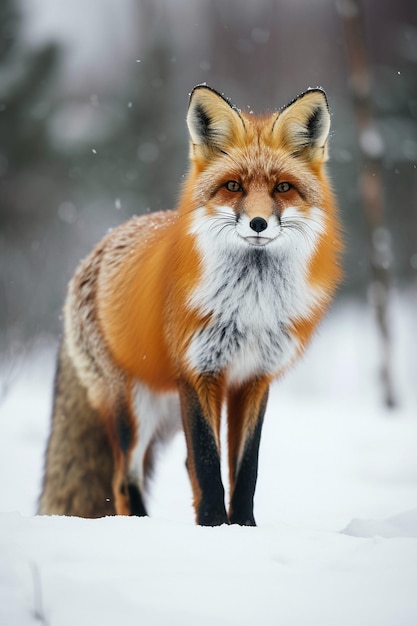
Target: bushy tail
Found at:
x=79, y=463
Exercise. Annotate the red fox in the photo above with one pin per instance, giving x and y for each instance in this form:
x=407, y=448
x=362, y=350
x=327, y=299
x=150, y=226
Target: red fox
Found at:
x=176, y=315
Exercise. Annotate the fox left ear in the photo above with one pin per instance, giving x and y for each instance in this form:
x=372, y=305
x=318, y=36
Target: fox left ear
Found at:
x=212, y=122
x=303, y=126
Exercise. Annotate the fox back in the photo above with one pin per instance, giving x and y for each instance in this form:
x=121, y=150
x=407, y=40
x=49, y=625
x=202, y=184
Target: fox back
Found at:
x=179, y=314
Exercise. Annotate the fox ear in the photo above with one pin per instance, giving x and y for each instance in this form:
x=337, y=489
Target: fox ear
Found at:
x=303, y=126
x=212, y=121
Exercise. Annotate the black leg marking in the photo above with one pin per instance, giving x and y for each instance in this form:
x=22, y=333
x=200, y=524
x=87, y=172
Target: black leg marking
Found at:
x=126, y=435
x=241, y=503
x=125, y=432
x=136, y=502
x=211, y=510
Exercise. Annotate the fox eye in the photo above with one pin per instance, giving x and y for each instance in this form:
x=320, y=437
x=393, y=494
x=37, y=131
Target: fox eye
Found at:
x=283, y=187
x=232, y=185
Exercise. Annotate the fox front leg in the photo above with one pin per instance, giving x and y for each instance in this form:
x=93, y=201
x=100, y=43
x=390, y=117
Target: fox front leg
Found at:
x=246, y=409
x=201, y=410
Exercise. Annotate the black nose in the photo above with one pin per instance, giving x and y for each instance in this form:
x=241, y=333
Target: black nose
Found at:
x=258, y=224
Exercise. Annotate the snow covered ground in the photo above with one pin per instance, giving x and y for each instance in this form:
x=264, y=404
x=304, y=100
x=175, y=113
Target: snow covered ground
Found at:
x=336, y=506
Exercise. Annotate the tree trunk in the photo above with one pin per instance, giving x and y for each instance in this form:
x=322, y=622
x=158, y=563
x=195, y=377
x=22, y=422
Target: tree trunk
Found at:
x=372, y=151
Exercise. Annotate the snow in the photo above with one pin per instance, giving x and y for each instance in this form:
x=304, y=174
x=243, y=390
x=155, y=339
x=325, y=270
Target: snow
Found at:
x=403, y=525
x=336, y=507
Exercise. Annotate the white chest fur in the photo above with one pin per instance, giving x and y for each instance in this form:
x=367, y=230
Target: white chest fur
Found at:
x=252, y=295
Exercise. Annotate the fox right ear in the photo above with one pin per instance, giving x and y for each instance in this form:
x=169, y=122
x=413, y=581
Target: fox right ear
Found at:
x=303, y=126
x=212, y=121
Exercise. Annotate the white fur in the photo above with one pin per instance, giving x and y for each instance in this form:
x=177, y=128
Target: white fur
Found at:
x=252, y=293
x=158, y=420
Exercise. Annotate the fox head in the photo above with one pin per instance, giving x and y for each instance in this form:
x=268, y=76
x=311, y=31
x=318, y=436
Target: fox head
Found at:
x=260, y=181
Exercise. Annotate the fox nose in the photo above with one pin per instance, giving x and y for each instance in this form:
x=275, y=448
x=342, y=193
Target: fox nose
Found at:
x=258, y=224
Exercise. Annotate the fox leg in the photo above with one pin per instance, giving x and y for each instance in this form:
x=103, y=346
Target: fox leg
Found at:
x=201, y=411
x=246, y=409
x=157, y=420
x=123, y=438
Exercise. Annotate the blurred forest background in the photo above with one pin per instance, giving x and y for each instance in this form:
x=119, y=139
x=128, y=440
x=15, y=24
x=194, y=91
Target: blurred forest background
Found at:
x=93, y=98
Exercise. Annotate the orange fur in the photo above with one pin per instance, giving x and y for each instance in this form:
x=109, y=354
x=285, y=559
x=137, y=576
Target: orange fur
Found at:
x=211, y=301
